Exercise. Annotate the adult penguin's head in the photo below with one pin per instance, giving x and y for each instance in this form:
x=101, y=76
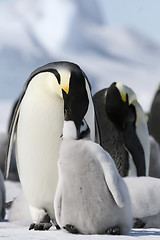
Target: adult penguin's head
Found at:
x=72, y=81
x=117, y=105
x=75, y=94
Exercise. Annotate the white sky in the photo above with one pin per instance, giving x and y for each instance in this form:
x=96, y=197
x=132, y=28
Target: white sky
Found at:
x=143, y=15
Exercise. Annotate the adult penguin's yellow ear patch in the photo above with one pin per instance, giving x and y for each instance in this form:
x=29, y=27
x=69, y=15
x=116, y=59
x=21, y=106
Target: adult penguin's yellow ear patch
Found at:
x=65, y=80
x=123, y=96
x=66, y=89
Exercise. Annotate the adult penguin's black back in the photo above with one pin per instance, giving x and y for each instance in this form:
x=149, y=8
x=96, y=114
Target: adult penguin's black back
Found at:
x=154, y=117
x=126, y=132
x=111, y=137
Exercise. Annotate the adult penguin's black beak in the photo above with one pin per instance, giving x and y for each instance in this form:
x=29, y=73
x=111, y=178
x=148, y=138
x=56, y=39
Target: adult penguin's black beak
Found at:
x=75, y=97
x=69, y=113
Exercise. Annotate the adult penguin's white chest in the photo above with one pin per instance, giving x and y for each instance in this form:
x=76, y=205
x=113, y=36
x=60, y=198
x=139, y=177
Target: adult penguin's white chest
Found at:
x=38, y=138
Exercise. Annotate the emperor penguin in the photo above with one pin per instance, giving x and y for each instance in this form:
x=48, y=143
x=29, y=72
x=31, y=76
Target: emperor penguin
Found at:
x=154, y=166
x=2, y=197
x=154, y=117
x=13, y=174
x=50, y=92
x=91, y=197
x=123, y=128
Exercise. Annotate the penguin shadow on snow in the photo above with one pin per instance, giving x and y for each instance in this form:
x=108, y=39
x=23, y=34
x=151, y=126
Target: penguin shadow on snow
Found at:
x=91, y=197
x=123, y=129
x=142, y=233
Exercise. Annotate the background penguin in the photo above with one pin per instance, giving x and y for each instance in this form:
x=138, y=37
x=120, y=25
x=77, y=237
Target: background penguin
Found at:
x=4, y=138
x=50, y=91
x=2, y=197
x=144, y=194
x=13, y=174
x=154, y=165
x=91, y=197
x=123, y=129
x=154, y=117
x=111, y=136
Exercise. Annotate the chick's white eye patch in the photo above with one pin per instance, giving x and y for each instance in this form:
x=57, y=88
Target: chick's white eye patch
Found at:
x=84, y=126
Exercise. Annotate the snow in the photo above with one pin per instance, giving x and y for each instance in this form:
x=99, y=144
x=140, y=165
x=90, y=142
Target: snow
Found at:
x=14, y=232
x=18, y=230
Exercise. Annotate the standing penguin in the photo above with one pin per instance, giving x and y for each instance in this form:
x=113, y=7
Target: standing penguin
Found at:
x=154, y=117
x=2, y=197
x=13, y=175
x=51, y=91
x=111, y=136
x=154, y=166
x=91, y=197
x=127, y=139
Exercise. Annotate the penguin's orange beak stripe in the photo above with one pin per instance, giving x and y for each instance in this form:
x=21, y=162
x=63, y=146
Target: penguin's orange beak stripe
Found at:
x=123, y=96
x=66, y=89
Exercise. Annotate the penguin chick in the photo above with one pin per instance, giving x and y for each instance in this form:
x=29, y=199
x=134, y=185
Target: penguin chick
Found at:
x=19, y=211
x=144, y=194
x=91, y=197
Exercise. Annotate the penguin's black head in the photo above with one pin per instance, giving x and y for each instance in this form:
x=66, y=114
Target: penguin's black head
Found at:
x=76, y=100
x=116, y=106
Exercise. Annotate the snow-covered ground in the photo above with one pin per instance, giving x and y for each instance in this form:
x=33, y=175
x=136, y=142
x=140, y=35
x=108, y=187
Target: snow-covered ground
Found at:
x=14, y=232
x=19, y=230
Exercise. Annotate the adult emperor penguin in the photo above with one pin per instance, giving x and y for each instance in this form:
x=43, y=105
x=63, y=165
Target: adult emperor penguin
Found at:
x=13, y=174
x=154, y=166
x=154, y=117
x=50, y=91
x=91, y=196
x=111, y=136
x=2, y=197
x=124, y=132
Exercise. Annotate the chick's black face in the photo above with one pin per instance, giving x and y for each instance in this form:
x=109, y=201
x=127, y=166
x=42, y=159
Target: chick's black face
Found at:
x=76, y=101
x=116, y=108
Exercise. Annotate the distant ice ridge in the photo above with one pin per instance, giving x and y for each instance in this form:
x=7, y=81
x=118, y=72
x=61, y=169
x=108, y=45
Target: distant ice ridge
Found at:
x=82, y=36
x=5, y=109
